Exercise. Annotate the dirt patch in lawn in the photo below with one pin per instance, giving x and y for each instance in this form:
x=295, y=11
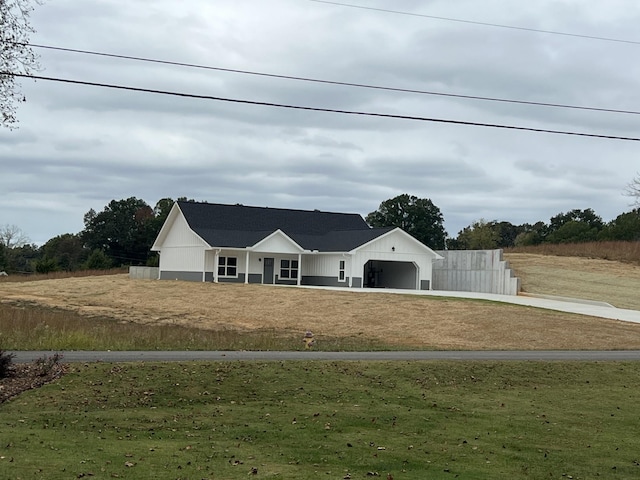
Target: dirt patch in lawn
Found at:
x=403, y=320
x=608, y=281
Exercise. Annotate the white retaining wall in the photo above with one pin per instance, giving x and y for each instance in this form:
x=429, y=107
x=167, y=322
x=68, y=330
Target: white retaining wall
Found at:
x=482, y=271
x=144, y=273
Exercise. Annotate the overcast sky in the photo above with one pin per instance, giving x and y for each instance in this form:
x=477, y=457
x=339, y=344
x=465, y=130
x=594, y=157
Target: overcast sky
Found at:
x=78, y=147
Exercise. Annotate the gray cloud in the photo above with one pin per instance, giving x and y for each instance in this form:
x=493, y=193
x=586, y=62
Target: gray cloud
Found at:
x=79, y=147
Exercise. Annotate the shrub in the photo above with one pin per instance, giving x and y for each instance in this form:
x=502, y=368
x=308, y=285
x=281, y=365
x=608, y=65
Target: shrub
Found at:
x=6, y=362
x=98, y=260
x=46, y=364
x=46, y=265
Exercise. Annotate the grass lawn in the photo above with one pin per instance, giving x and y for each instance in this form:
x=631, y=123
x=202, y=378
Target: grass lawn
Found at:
x=414, y=420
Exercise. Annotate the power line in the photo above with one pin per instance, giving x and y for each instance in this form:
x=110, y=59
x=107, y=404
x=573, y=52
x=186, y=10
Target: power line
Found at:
x=484, y=24
x=334, y=82
x=318, y=109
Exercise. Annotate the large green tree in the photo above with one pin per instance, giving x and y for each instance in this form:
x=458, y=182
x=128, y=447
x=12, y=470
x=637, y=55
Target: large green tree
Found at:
x=21, y=259
x=162, y=209
x=625, y=227
x=480, y=235
x=16, y=55
x=507, y=233
x=67, y=252
x=124, y=231
x=417, y=216
x=531, y=234
x=574, y=226
x=587, y=216
x=573, y=231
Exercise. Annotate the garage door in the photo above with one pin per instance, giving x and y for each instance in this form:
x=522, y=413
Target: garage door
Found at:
x=387, y=274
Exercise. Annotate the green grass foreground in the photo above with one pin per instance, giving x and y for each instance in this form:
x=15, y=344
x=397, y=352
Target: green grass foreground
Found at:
x=334, y=420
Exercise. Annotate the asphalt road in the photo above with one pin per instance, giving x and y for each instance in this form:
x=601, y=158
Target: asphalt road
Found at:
x=223, y=356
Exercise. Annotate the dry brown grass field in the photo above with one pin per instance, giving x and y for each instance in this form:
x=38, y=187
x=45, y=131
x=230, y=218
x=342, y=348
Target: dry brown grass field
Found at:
x=403, y=320
x=627, y=252
x=608, y=281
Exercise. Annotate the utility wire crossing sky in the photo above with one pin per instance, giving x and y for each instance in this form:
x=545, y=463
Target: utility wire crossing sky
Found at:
x=411, y=86
x=327, y=110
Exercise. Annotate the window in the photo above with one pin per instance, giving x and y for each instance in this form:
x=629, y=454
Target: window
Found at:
x=288, y=269
x=227, y=266
x=341, y=274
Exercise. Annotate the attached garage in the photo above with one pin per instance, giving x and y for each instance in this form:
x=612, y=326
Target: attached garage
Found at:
x=390, y=274
x=393, y=260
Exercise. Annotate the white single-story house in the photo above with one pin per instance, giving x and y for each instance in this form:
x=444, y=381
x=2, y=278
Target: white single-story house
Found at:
x=235, y=243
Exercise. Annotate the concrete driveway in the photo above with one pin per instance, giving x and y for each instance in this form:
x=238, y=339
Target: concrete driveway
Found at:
x=561, y=304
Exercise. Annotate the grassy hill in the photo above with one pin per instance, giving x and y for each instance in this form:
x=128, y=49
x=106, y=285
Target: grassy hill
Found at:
x=610, y=281
x=114, y=312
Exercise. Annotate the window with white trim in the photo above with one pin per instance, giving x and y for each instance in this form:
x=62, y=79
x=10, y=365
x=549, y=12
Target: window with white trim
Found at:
x=288, y=269
x=227, y=266
x=341, y=271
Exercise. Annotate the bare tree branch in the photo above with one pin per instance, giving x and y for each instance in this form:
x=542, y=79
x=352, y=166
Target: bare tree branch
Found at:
x=12, y=236
x=16, y=56
x=633, y=190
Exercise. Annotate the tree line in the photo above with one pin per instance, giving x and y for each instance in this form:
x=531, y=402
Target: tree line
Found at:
x=574, y=226
x=124, y=231
x=422, y=219
x=121, y=234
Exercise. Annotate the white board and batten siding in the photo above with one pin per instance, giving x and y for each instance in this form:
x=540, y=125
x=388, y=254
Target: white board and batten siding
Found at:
x=182, y=250
x=325, y=265
x=277, y=242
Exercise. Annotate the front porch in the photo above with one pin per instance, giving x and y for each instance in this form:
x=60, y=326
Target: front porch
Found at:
x=245, y=266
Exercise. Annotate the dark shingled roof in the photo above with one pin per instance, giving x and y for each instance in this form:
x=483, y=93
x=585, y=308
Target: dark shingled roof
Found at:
x=240, y=226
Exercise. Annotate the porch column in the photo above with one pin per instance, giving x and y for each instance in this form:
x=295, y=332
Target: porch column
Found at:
x=204, y=265
x=299, y=268
x=215, y=266
x=246, y=268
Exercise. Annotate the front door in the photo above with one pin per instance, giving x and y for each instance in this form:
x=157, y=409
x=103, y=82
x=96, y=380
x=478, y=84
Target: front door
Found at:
x=267, y=271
